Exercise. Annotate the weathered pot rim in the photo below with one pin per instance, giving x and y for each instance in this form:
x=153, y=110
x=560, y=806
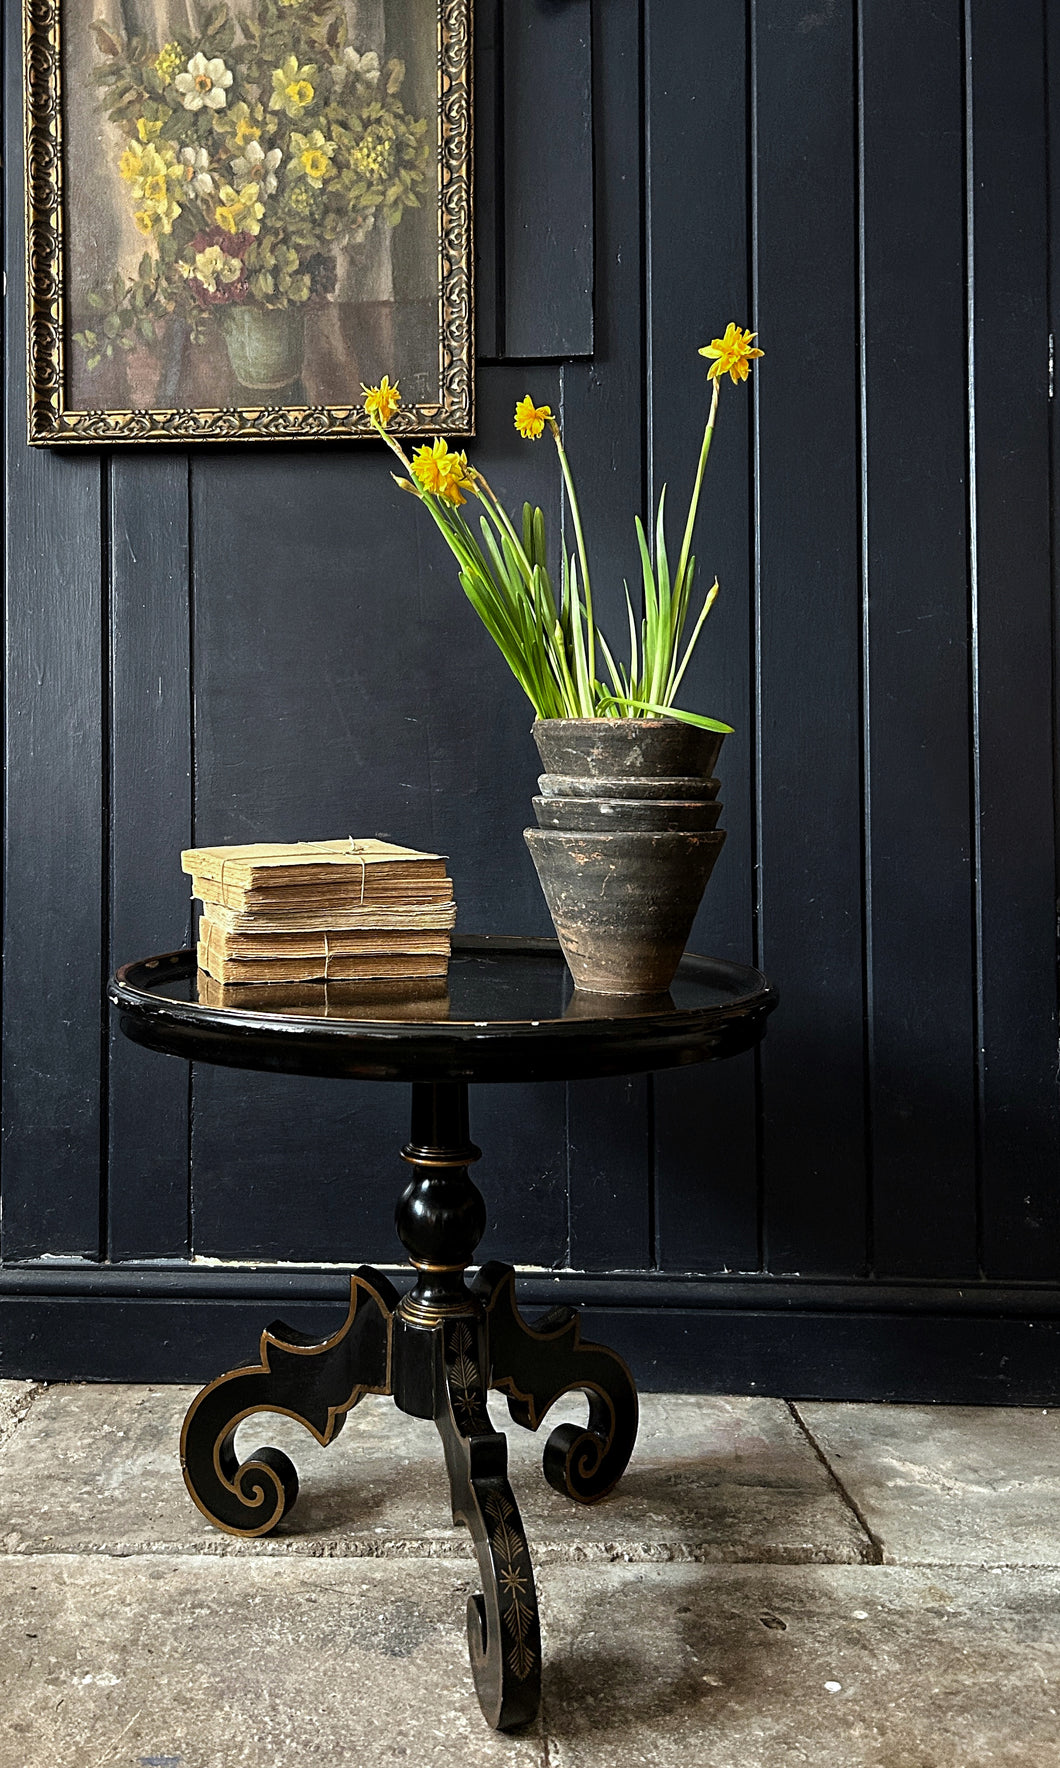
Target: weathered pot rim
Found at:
x=645, y=786
x=637, y=747
x=621, y=723
x=627, y=837
x=624, y=803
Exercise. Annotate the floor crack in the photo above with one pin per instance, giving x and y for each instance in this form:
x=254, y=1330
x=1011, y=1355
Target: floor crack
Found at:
x=874, y=1555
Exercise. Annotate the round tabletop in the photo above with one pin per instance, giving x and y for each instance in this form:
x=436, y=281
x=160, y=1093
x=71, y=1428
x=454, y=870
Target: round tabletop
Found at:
x=508, y=1010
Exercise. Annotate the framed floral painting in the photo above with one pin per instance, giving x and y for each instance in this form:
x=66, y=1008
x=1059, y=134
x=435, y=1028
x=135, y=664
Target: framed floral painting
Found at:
x=241, y=211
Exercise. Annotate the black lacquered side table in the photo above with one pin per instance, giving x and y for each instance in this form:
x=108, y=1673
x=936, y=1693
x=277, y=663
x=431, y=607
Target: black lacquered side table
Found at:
x=508, y=1012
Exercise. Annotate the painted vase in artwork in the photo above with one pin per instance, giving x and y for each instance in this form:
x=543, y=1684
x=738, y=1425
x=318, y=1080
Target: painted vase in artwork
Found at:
x=265, y=345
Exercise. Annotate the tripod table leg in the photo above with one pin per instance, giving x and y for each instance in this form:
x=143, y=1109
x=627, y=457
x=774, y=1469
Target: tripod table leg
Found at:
x=534, y=1365
x=316, y=1382
x=504, y=1635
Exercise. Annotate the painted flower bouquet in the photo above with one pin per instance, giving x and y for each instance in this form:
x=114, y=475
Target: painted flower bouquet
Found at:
x=551, y=642
x=252, y=152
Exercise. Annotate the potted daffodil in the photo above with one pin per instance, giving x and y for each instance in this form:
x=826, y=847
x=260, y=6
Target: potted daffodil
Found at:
x=628, y=811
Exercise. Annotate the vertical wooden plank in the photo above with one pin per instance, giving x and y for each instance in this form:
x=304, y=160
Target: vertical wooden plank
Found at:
x=291, y=1169
x=1020, y=1107
x=603, y=423
x=53, y=855
x=548, y=178
x=150, y=821
x=489, y=180
x=286, y=1168
x=344, y=686
x=916, y=540
x=698, y=279
x=609, y=1160
x=1051, y=23
x=810, y=880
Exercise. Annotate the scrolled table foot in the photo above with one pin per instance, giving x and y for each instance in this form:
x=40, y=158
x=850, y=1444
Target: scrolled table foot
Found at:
x=534, y=1365
x=504, y=1634
x=318, y=1382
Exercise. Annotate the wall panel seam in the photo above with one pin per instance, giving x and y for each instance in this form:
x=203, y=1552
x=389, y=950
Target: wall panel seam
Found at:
x=192, y=832
x=974, y=770
x=1050, y=69
x=106, y=714
x=755, y=660
x=865, y=745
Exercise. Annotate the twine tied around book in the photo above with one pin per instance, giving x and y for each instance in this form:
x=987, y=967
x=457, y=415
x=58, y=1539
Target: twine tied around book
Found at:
x=328, y=853
x=224, y=861
x=356, y=854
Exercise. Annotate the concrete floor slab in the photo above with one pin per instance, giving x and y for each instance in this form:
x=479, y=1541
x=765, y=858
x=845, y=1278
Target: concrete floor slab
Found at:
x=123, y=1644
x=195, y=1662
x=202, y=1663
x=16, y=1398
x=773, y=1666
x=951, y=1485
x=95, y=1468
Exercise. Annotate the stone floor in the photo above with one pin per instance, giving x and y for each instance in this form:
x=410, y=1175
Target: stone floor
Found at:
x=833, y=1585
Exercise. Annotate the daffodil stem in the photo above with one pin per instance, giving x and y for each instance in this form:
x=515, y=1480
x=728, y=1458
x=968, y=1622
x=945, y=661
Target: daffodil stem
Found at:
x=502, y=520
x=395, y=447
x=693, y=508
x=572, y=499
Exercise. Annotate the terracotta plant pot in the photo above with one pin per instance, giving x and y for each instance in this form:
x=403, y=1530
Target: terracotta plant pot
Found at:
x=626, y=844
x=633, y=748
x=623, y=904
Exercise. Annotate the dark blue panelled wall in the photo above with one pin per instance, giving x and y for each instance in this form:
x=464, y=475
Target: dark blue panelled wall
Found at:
x=243, y=643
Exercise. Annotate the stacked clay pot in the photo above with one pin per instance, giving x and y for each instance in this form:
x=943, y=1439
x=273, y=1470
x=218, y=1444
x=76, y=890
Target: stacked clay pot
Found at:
x=626, y=841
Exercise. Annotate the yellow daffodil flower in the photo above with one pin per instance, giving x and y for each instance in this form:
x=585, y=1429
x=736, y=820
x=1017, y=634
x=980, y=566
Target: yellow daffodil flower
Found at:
x=732, y=354
x=147, y=131
x=442, y=471
x=151, y=170
x=530, y=419
x=129, y=164
x=381, y=402
x=292, y=88
x=239, y=211
x=460, y=477
x=311, y=156
x=161, y=212
x=138, y=164
x=248, y=123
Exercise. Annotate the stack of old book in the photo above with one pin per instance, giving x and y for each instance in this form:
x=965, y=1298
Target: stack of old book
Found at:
x=336, y=911
x=404, y=998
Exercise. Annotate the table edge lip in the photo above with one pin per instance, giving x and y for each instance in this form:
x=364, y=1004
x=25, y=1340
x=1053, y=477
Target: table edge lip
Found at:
x=142, y=1002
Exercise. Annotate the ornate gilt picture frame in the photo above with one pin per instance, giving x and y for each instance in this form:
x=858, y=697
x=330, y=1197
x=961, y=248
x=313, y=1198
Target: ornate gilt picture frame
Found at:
x=240, y=211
